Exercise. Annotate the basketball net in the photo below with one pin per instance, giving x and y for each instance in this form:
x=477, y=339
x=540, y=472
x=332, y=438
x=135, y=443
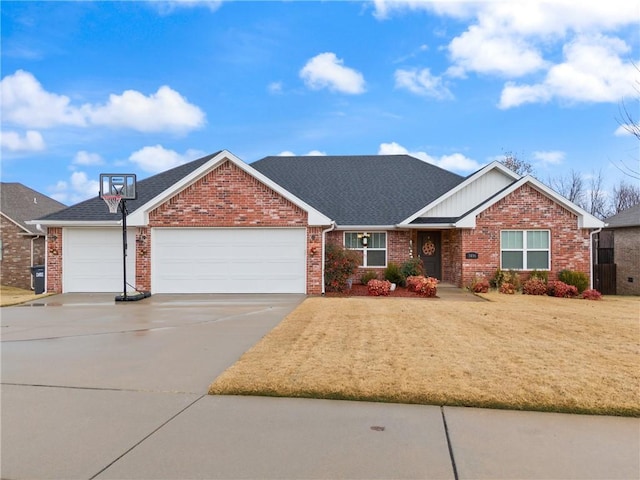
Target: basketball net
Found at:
x=112, y=202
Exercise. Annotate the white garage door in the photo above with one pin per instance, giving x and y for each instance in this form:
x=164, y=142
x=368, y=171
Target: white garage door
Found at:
x=92, y=259
x=228, y=260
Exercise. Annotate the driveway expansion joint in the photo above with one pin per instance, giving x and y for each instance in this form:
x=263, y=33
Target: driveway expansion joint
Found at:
x=449, y=445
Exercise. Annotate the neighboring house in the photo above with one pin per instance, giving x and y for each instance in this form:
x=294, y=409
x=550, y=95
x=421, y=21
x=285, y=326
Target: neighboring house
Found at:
x=22, y=245
x=220, y=225
x=617, y=261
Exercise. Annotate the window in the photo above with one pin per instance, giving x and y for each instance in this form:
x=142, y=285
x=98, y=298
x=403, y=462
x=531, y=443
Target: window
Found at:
x=374, y=254
x=525, y=250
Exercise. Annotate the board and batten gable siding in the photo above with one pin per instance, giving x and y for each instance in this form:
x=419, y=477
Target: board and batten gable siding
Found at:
x=227, y=197
x=525, y=209
x=471, y=195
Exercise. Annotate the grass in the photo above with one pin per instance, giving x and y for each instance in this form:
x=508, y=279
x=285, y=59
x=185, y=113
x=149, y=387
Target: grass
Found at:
x=14, y=296
x=514, y=351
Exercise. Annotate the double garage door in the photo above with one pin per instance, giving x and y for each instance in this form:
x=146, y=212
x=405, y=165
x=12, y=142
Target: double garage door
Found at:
x=192, y=260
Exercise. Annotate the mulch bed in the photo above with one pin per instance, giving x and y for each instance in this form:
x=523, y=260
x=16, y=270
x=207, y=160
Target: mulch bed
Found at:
x=360, y=290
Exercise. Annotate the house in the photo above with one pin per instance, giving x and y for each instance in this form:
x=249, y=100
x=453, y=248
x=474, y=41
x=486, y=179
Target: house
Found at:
x=617, y=259
x=21, y=245
x=220, y=225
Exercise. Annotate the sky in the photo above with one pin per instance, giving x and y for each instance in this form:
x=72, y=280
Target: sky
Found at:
x=142, y=86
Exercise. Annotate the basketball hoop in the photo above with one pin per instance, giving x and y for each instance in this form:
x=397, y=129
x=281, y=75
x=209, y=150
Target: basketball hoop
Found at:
x=112, y=202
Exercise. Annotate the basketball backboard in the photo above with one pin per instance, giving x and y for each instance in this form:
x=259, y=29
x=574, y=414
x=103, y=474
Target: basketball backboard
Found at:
x=123, y=184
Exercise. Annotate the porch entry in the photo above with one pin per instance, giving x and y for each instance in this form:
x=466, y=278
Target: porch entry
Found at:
x=430, y=251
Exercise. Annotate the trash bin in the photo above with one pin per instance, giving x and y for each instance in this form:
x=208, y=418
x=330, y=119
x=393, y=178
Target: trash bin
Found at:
x=38, y=278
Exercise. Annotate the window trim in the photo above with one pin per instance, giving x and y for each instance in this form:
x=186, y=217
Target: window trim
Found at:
x=525, y=249
x=364, y=250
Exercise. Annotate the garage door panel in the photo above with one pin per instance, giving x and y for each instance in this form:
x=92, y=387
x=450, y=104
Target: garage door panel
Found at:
x=229, y=260
x=92, y=259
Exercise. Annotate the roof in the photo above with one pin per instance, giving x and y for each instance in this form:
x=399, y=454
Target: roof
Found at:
x=20, y=204
x=365, y=190
x=95, y=210
x=626, y=218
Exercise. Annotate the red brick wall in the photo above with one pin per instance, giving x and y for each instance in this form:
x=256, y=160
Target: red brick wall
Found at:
x=229, y=197
x=452, y=256
x=54, y=260
x=525, y=209
x=15, y=267
x=143, y=259
x=627, y=257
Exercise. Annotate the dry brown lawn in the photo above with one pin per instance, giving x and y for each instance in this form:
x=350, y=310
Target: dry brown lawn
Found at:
x=14, y=296
x=513, y=351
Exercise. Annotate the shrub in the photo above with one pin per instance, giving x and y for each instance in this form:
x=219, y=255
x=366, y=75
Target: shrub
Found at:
x=498, y=278
x=368, y=275
x=580, y=280
x=534, y=286
x=413, y=281
x=508, y=288
x=378, y=287
x=340, y=264
x=539, y=274
x=561, y=290
x=426, y=286
x=591, y=294
x=412, y=268
x=480, y=284
x=393, y=274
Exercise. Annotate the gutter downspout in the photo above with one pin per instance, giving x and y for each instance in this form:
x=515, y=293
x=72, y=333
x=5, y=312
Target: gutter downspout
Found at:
x=593, y=256
x=324, y=232
x=33, y=239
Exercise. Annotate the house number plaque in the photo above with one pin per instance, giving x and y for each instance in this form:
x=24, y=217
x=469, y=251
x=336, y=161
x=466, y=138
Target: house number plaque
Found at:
x=471, y=255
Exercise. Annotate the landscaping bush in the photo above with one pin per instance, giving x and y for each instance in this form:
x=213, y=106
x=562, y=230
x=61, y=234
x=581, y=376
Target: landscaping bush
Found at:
x=479, y=285
x=591, y=294
x=340, y=264
x=393, y=273
x=412, y=268
x=540, y=274
x=561, y=290
x=534, y=286
x=498, y=278
x=413, y=281
x=427, y=287
x=580, y=280
x=378, y=287
x=368, y=275
x=508, y=288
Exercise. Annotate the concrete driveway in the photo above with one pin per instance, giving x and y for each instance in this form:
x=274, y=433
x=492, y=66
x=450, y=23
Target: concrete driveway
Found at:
x=94, y=389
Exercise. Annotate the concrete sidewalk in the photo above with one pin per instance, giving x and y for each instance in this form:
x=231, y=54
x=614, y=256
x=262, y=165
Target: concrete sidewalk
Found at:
x=96, y=390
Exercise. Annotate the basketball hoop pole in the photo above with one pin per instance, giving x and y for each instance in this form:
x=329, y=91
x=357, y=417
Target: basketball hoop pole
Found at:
x=123, y=206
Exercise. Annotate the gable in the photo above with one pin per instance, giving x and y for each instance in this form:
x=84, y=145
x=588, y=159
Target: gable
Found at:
x=226, y=197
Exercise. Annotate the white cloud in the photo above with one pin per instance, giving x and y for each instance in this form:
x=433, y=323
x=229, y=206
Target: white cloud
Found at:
x=166, y=7
x=592, y=72
x=26, y=103
x=312, y=153
x=76, y=189
x=626, y=130
x=275, y=88
x=422, y=83
x=550, y=157
x=327, y=71
x=32, y=141
x=456, y=162
x=158, y=159
x=87, y=159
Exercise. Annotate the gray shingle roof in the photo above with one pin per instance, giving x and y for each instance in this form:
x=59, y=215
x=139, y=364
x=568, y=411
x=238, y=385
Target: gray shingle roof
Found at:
x=360, y=189
x=21, y=204
x=94, y=209
x=627, y=218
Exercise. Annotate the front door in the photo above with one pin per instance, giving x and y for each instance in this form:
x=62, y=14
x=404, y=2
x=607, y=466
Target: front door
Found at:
x=430, y=252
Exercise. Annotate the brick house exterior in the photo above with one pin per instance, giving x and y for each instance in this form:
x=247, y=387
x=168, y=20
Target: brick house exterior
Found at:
x=23, y=246
x=317, y=196
x=624, y=229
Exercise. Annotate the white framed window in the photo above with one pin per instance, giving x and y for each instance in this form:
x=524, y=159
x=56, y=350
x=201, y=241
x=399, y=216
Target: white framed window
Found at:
x=372, y=245
x=525, y=250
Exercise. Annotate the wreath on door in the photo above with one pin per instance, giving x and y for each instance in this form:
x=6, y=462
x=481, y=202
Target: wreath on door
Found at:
x=429, y=248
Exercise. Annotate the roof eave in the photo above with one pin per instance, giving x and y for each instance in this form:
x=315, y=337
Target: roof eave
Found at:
x=76, y=223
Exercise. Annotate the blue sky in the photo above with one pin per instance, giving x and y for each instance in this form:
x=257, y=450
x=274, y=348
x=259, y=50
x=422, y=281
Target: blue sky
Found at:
x=139, y=87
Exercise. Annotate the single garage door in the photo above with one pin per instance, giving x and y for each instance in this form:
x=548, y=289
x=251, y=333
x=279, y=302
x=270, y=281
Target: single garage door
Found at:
x=92, y=259
x=228, y=260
